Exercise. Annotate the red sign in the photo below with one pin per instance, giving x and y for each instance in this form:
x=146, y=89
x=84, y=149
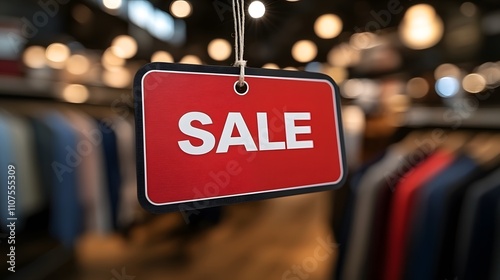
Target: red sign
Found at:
x=201, y=143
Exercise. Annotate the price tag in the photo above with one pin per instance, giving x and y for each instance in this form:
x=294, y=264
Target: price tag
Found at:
x=203, y=141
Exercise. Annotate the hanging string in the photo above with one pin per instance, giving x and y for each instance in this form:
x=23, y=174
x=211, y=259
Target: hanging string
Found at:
x=239, y=38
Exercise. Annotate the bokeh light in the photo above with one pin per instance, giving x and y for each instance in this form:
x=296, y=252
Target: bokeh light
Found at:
x=75, y=93
x=256, y=9
x=78, y=64
x=124, y=46
x=219, y=49
x=421, y=27
x=162, y=56
x=417, y=87
x=328, y=26
x=304, y=51
x=447, y=87
x=34, y=57
x=474, y=83
x=181, y=9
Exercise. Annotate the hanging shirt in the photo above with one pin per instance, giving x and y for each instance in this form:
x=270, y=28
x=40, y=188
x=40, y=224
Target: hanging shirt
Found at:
x=128, y=202
x=495, y=260
x=66, y=207
x=344, y=231
x=112, y=165
x=365, y=205
x=92, y=184
x=429, y=221
x=402, y=205
x=29, y=191
x=477, y=228
x=44, y=151
x=377, y=249
x=6, y=158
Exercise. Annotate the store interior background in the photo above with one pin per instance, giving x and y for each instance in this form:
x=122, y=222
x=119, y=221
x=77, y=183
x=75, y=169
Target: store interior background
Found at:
x=399, y=64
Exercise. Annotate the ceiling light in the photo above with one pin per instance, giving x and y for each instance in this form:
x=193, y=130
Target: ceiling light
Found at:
x=270, y=66
x=110, y=60
x=190, y=59
x=181, y=8
x=124, y=46
x=474, y=83
x=162, y=56
x=75, y=93
x=78, y=64
x=57, y=52
x=256, y=9
x=56, y=55
x=304, y=51
x=34, y=57
x=328, y=26
x=447, y=87
x=417, y=87
x=219, y=49
x=112, y=4
x=421, y=27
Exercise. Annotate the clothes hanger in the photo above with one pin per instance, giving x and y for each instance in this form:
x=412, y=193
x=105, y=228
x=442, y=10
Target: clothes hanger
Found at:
x=411, y=142
x=485, y=150
x=455, y=141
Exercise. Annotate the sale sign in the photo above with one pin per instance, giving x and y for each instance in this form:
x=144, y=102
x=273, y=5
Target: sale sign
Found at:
x=203, y=141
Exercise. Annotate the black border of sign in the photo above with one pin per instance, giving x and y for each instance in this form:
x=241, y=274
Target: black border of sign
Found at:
x=190, y=206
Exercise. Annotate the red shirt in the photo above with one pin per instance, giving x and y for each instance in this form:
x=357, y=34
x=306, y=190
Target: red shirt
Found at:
x=402, y=207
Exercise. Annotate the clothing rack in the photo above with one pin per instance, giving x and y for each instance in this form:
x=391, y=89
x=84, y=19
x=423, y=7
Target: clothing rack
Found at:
x=43, y=89
x=37, y=127
x=487, y=118
x=421, y=214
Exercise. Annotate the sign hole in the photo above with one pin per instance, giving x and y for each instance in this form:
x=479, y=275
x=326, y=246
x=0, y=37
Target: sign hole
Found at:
x=241, y=90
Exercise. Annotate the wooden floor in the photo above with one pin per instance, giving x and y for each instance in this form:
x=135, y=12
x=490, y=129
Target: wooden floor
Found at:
x=285, y=238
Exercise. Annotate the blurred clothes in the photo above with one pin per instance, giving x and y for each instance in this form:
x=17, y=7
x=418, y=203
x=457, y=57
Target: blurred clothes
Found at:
x=69, y=168
x=476, y=233
x=369, y=189
x=6, y=158
x=495, y=268
x=66, y=207
x=429, y=222
x=402, y=205
x=346, y=220
x=414, y=215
